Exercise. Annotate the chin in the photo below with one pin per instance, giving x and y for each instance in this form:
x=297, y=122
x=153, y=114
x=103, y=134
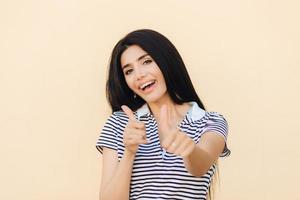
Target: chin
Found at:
x=154, y=98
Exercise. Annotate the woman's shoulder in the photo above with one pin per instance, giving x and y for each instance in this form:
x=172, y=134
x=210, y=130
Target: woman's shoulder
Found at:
x=214, y=115
x=118, y=116
x=210, y=118
x=198, y=114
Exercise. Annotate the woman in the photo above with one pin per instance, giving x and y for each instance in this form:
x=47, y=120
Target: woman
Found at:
x=159, y=142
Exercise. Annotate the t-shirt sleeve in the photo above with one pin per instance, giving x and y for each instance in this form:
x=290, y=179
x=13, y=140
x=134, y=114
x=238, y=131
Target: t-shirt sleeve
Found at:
x=218, y=124
x=108, y=134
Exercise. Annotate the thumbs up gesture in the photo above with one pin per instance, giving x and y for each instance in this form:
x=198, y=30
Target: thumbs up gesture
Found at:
x=171, y=138
x=134, y=132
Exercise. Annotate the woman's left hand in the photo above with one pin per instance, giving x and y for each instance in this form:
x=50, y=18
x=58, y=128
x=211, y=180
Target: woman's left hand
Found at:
x=171, y=138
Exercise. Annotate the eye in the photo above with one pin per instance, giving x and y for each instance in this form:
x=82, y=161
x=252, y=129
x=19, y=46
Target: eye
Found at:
x=128, y=72
x=147, y=61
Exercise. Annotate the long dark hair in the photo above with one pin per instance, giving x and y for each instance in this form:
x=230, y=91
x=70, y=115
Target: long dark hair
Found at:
x=178, y=83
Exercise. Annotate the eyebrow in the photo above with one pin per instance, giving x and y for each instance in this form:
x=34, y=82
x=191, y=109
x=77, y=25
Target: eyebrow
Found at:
x=140, y=58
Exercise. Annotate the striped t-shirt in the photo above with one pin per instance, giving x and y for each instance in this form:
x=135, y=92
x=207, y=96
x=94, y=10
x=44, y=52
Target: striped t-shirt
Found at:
x=157, y=174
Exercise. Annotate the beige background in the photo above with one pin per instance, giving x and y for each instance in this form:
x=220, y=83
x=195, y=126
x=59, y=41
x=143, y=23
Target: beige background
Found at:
x=243, y=58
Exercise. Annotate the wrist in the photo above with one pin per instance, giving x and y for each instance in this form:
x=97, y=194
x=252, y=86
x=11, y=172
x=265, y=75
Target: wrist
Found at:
x=192, y=153
x=128, y=154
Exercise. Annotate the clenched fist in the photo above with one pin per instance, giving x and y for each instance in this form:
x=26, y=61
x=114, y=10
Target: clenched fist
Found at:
x=172, y=139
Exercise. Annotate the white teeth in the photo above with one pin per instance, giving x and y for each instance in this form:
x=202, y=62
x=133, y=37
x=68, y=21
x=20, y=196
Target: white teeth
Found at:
x=145, y=84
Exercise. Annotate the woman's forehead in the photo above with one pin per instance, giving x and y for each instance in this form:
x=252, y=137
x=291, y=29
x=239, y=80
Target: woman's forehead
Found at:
x=132, y=54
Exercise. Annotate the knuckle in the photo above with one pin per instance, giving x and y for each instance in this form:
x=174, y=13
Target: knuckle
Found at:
x=167, y=146
x=177, y=152
x=139, y=137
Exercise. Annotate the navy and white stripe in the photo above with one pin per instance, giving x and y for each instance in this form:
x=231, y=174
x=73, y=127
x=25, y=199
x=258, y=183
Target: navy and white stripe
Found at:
x=156, y=173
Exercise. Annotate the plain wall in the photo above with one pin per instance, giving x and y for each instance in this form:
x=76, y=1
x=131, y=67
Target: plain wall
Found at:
x=242, y=56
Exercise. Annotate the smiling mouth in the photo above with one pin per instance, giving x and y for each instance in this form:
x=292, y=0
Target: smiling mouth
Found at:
x=148, y=87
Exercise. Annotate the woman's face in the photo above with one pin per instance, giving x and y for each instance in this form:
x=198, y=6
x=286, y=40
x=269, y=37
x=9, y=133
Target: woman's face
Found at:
x=142, y=74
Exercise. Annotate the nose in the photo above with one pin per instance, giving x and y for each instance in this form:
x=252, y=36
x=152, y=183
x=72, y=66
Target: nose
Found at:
x=139, y=73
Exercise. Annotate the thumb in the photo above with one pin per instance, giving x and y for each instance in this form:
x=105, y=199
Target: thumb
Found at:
x=128, y=112
x=163, y=117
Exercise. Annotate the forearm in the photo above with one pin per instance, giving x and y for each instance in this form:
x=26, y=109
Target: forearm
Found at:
x=118, y=187
x=198, y=162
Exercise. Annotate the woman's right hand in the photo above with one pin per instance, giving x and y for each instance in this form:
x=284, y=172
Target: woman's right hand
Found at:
x=134, y=132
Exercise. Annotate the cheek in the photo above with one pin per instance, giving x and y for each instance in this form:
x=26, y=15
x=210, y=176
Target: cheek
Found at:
x=129, y=82
x=162, y=80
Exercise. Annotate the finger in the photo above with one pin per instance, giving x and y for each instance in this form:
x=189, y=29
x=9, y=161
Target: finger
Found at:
x=182, y=146
x=128, y=112
x=163, y=125
x=130, y=131
x=134, y=142
x=167, y=114
x=167, y=141
x=163, y=115
x=137, y=124
x=135, y=134
x=178, y=139
x=188, y=149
